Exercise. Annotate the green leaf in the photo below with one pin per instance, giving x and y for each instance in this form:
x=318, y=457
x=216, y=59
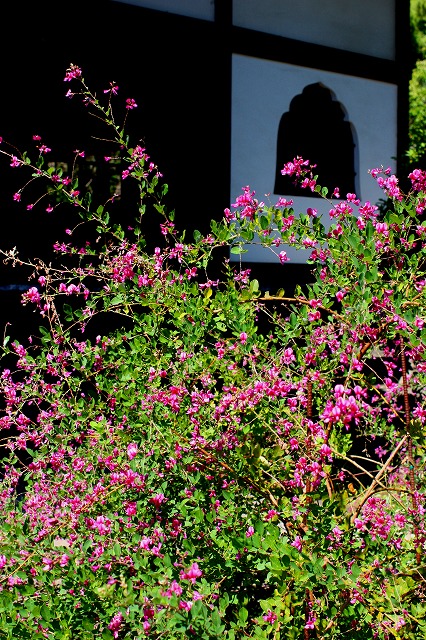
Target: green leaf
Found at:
x=355, y=571
x=87, y=624
x=243, y=615
x=224, y=602
x=254, y=285
x=354, y=242
x=198, y=515
x=369, y=230
x=45, y=613
x=247, y=235
x=237, y=250
x=372, y=275
x=216, y=621
x=264, y=222
x=68, y=312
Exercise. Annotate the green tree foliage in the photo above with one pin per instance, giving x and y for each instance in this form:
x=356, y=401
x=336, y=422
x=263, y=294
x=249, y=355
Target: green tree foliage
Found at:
x=418, y=26
x=417, y=87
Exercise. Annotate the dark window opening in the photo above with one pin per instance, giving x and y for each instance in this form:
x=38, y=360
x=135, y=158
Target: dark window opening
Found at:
x=315, y=129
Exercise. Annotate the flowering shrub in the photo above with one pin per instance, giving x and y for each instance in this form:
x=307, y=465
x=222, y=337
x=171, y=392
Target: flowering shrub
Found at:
x=183, y=456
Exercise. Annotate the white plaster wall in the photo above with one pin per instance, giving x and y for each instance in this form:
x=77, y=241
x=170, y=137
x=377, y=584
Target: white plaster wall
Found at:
x=202, y=9
x=361, y=26
x=262, y=91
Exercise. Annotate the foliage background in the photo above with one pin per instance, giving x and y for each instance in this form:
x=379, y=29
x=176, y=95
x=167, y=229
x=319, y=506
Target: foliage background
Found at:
x=417, y=88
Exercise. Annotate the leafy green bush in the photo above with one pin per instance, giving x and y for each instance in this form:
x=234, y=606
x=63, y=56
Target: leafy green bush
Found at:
x=182, y=452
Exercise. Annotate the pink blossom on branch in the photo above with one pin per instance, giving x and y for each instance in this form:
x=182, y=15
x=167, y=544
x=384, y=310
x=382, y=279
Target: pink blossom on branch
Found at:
x=72, y=72
x=130, y=103
x=192, y=573
x=132, y=450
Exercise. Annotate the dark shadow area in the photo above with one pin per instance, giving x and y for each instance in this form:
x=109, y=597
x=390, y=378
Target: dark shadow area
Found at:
x=169, y=64
x=315, y=128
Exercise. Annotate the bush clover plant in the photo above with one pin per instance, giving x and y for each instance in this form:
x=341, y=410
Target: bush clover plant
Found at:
x=181, y=452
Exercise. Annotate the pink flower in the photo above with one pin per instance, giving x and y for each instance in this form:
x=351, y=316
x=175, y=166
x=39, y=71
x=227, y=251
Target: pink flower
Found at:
x=32, y=295
x=296, y=168
x=78, y=464
x=115, y=624
x=72, y=72
x=192, y=574
x=131, y=509
x=64, y=560
x=175, y=588
x=132, y=450
x=102, y=524
x=380, y=452
x=130, y=103
x=288, y=356
x=113, y=88
x=313, y=316
x=382, y=228
x=271, y=514
x=283, y=257
x=297, y=543
x=269, y=617
x=249, y=532
x=158, y=499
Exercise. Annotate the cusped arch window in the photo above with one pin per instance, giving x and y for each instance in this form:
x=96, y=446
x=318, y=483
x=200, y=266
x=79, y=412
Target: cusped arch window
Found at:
x=315, y=127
